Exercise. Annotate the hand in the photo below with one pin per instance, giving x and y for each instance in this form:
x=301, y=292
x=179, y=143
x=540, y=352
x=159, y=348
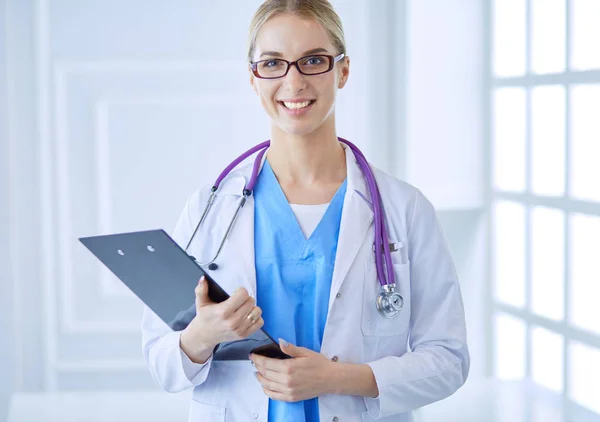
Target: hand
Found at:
x=305, y=376
x=214, y=323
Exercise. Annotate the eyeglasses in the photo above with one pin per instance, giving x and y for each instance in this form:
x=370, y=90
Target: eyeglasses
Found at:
x=307, y=65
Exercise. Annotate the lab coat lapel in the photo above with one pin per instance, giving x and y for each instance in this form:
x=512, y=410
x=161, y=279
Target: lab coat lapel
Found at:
x=355, y=222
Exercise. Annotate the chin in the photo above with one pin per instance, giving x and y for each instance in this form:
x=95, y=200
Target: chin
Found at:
x=298, y=129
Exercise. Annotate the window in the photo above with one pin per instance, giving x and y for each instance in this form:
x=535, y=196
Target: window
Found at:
x=545, y=194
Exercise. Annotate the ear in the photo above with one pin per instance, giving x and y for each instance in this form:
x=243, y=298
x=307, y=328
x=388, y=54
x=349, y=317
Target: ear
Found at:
x=344, y=72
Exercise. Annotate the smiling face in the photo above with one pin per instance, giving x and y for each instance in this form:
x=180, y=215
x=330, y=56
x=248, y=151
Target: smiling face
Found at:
x=297, y=104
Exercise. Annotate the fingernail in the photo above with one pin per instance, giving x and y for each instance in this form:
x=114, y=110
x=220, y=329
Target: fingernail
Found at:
x=283, y=342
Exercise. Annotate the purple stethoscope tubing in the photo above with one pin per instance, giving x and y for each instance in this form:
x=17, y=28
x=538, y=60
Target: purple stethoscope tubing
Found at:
x=381, y=241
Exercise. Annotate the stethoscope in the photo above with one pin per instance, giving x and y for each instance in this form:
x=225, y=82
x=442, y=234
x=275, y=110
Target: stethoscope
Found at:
x=388, y=302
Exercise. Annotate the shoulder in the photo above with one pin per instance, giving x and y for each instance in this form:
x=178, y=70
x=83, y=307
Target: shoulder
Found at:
x=398, y=189
x=402, y=197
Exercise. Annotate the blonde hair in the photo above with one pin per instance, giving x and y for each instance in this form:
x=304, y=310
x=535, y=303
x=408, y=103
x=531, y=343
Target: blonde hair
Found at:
x=320, y=10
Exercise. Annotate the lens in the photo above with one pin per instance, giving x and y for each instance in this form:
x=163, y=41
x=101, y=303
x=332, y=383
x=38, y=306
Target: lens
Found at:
x=272, y=68
x=314, y=64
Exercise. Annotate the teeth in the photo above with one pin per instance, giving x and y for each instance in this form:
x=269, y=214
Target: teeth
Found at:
x=296, y=106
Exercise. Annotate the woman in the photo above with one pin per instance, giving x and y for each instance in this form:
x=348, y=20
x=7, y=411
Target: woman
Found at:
x=300, y=261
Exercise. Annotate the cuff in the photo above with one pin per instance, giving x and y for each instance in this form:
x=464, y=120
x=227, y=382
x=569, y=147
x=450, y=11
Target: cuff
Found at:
x=382, y=373
x=196, y=373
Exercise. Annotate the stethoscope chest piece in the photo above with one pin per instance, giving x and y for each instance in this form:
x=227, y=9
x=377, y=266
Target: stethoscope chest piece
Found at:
x=389, y=302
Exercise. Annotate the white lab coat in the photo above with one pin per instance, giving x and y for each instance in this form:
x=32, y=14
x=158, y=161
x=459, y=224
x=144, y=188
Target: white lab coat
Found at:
x=417, y=358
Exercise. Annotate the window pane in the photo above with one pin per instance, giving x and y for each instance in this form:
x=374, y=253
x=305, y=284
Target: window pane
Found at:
x=585, y=142
x=547, y=359
x=585, y=15
x=548, y=36
x=509, y=37
x=584, y=375
x=509, y=139
x=510, y=347
x=584, y=279
x=509, y=253
x=548, y=140
x=547, y=262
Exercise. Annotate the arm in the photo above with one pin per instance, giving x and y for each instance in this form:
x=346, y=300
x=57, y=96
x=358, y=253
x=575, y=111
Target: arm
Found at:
x=438, y=363
x=169, y=365
x=353, y=380
x=171, y=368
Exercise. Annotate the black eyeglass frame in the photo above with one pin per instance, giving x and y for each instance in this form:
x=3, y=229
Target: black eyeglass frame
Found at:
x=332, y=62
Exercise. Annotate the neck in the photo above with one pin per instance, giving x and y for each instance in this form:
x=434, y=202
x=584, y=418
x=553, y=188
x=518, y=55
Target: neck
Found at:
x=307, y=160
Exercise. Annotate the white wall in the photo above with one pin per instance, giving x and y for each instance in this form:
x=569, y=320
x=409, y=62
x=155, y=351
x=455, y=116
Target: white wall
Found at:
x=444, y=135
x=6, y=291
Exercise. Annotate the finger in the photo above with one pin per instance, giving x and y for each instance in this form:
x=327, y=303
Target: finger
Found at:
x=272, y=364
x=276, y=395
x=236, y=322
x=272, y=376
x=251, y=317
x=201, y=291
x=240, y=316
x=236, y=300
x=270, y=384
x=254, y=328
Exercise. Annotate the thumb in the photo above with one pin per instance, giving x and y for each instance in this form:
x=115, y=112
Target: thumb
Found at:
x=293, y=350
x=201, y=291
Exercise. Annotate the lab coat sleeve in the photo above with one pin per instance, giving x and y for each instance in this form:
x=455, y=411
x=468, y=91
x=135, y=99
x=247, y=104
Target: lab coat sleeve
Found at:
x=438, y=361
x=169, y=366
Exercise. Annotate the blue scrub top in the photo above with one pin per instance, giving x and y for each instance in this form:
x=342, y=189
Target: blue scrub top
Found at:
x=293, y=276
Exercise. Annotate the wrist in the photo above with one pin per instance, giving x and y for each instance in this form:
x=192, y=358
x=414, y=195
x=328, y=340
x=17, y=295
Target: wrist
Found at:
x=352, y=379
x=340, y=376
x=336, y=377
x=199, y=352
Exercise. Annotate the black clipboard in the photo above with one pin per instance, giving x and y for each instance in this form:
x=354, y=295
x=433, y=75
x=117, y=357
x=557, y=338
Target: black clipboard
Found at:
x=160, y=273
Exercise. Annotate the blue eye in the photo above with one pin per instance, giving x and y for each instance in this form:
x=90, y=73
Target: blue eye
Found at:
x=271, y=63
x=314, y=60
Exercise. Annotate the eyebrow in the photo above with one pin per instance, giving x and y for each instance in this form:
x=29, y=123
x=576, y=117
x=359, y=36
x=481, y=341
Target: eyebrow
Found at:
x=306, y=53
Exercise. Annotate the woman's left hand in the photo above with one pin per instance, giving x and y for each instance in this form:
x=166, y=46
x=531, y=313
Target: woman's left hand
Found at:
x=305, y=376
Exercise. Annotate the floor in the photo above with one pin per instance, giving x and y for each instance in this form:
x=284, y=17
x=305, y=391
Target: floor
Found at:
x=479, y=400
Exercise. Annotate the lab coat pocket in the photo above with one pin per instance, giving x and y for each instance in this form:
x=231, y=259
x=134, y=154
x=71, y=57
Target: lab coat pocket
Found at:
x=372, y=322
x=206, y=412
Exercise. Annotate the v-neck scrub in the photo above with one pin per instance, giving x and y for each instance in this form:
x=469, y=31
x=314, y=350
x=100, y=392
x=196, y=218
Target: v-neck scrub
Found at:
x=293, y=276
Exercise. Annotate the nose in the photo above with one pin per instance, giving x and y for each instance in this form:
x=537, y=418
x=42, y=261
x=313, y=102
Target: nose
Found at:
x=294, y=79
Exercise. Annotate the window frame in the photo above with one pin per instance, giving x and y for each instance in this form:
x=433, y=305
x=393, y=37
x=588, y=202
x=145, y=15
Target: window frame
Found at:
x=528, y=199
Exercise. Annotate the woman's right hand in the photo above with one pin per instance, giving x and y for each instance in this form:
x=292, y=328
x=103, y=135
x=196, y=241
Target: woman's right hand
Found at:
x=214, y=323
